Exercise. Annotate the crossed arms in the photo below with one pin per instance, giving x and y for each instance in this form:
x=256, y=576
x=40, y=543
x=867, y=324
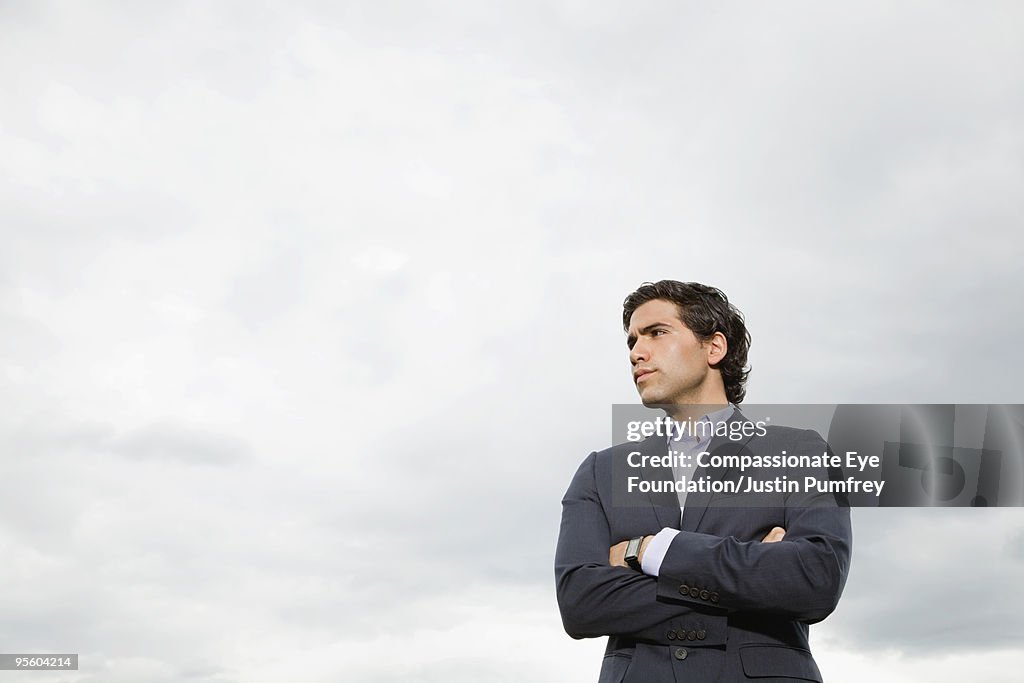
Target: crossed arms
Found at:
x=799, y=577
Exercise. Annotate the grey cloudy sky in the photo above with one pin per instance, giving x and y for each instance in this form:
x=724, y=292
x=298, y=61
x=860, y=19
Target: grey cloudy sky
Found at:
x=309, y=311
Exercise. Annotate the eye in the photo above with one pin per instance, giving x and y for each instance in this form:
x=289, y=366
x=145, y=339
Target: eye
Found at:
x=655, y=333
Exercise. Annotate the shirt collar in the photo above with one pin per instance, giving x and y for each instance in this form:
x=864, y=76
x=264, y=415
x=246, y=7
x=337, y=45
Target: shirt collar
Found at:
x=701, y=435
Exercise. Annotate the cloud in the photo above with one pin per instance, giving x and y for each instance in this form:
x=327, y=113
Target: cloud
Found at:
x=186, y=445
x=924, y=576
x=309, y=313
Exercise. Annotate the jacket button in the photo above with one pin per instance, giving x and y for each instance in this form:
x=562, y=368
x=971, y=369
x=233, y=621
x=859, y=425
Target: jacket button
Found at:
x=704, y=595
x=692, y=635
x=680, y=653
x=684, y=589
x=701, y=634
x=672, y=634
x=694, y=592
x=714, y=597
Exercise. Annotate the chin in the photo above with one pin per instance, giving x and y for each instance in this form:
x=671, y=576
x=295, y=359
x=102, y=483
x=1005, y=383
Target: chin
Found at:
x=650, y=400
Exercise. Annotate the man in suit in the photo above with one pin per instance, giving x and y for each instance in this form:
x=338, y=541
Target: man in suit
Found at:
x=698, y=586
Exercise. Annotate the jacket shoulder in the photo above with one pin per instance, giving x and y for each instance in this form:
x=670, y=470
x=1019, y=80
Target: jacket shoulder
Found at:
x=622, y=450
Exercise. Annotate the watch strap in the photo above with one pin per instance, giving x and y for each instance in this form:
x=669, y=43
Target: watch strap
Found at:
x=632, y=557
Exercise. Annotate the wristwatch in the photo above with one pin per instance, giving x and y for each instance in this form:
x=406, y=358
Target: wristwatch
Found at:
x=633, y=551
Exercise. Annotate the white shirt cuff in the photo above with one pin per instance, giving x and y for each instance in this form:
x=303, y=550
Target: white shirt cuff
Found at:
x=656, y=551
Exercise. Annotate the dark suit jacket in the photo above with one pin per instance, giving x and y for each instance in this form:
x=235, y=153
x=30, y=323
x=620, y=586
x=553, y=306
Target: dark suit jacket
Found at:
x=725, y=607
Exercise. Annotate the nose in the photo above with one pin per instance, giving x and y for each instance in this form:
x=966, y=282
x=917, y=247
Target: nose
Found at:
x=639, y=353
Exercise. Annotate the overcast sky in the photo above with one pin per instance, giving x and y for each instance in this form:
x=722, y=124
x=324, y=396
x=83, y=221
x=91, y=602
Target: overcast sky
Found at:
x=310, y=310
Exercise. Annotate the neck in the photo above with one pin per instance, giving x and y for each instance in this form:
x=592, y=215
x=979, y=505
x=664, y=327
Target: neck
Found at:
x=707, y=398
x=681, y=412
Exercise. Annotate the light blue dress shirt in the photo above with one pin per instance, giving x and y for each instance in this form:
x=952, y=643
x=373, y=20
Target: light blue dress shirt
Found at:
x=691, y=444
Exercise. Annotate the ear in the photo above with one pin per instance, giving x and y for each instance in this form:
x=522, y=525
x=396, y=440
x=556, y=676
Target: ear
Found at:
x=716, y=347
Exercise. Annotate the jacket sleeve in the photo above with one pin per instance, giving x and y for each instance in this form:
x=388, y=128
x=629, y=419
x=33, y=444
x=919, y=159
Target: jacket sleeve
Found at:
x=596, y=599
x=801, y=577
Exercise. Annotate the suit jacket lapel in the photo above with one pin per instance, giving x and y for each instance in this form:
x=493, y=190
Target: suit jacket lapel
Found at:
x=697, y=502
x=666, y=504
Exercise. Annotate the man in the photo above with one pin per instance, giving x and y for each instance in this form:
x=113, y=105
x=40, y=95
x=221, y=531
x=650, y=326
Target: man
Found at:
x=698, y=587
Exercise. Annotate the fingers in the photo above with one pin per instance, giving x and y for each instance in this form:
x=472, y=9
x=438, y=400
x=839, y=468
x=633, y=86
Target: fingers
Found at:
x=775, y=535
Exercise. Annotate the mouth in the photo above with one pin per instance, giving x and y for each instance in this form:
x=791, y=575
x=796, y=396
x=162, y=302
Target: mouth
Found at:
x=640, y=375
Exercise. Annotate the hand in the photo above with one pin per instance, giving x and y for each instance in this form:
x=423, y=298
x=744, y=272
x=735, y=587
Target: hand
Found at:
x=617, y=553
x=774, y=536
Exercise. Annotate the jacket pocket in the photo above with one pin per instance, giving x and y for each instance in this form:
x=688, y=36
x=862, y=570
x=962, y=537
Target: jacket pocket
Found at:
x=778, y=661
x=613, y=668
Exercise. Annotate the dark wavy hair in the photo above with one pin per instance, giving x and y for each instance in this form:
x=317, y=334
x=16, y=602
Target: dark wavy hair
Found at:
x=705, y=310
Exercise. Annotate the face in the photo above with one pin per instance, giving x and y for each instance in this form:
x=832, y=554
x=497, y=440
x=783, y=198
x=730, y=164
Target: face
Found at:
x=670, y=364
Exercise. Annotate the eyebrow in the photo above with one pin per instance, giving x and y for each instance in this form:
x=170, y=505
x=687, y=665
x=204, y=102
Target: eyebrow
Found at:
x=631, y=339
